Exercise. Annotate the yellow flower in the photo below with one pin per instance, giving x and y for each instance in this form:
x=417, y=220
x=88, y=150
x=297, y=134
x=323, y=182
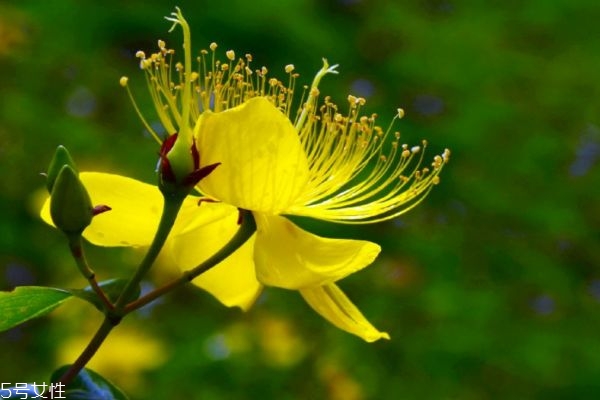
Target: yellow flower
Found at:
x=321, y=164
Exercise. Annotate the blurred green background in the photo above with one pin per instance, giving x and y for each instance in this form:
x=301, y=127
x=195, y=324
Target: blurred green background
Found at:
x=490, y=289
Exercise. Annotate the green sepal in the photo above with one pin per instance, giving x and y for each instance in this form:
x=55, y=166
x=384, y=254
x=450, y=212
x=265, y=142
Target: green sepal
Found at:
x=112, y=288
x=70, y=204
x=88, y=385
x=60, y=159
x=28, y=302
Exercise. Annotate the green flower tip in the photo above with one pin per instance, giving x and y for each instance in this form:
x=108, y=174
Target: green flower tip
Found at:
x=61, y=158
x=70, y=205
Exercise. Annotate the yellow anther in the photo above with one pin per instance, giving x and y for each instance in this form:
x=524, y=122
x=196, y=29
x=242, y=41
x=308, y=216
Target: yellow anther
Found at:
x=446, y=155
x=400, y=113
x=140, y=54
x=145, y=63
x=123, y=81
x=161, y=44
x=230, y=55
x=289, y=68
x=264, y=70
x=213, y=46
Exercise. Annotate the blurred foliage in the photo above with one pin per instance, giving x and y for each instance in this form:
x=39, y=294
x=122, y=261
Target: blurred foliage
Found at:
x=489, y=289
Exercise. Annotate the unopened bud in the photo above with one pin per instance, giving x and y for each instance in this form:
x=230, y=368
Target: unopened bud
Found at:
x=70, y=205
x=60, y=159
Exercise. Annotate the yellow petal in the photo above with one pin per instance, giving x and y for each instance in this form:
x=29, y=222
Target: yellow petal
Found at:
x=136, y=209
x=289, y=257
x=233, y=281
x=263, y=165
x=333, y=305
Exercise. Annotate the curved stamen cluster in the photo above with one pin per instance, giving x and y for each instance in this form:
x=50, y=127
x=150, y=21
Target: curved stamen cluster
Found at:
x=357, y=174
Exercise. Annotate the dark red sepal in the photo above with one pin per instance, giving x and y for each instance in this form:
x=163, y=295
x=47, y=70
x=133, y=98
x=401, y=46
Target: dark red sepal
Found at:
x=99, y=209
x=165, y=166
x=207, y=200
x=196, y=176
x=195, y=154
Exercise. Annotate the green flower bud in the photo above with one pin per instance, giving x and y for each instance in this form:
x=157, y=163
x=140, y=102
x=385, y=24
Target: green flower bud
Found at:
x=70, y=204
x=60, y=159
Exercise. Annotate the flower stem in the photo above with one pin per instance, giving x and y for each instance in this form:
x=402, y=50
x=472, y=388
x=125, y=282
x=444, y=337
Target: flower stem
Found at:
x=114, y=314
x=76, y=247
x=246, y=230
x=171, y=206
x=88, y=352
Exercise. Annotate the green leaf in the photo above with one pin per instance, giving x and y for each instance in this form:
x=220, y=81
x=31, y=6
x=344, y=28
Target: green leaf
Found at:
x=88, y=385
x=27, y=302
x=112, y=288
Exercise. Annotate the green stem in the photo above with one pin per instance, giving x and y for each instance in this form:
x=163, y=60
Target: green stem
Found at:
x=247, y=229
x=76, y=247
x=171, y=206
x=88, y=353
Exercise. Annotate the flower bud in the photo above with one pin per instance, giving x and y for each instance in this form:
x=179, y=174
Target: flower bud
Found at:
x=70, y=205
x=60, y=159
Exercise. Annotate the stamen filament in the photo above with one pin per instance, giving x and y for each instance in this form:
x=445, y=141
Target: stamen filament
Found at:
x=124, y=83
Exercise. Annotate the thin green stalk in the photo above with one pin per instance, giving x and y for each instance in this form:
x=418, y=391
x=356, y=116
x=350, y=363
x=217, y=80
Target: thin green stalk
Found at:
x=76, y=247
x=246, y=230
x=88, y=352
x=171, y=207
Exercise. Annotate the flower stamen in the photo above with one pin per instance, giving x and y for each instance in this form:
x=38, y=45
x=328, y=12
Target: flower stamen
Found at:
x=359, y=173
